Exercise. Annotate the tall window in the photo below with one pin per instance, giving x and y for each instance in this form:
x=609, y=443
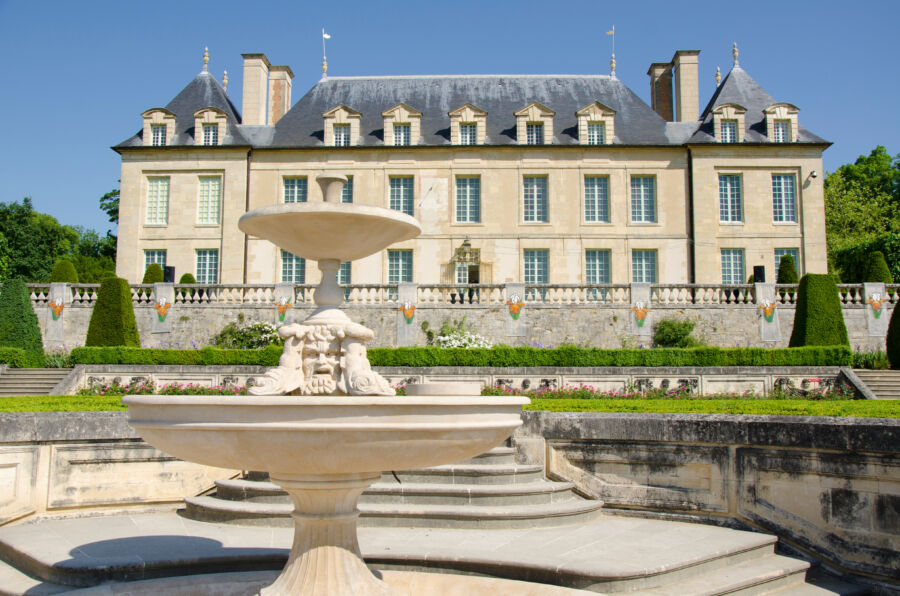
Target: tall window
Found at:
x=210, y=134
x=154, y=256
x=468, y=199
x=596, y=133
x=535, y=199
x=341, y=135
x=158, y=200
x=732, y=266
x=347, y=193
x=729, y=131
x=295, y=190
x=780, y=252
x=643, y=266
x=730, y=208
x=782, y=131
x=293, y=268
x=596, y=266
x=596, y=199
x=784, y=208
x=534, y=133
x=344, y=274
x=400, y=266
x=537, y=271
x=209, y=200
x=401, y=134
x=643, y=199
x=401, y=197
x=207, y=266
x=158, y=132
x=468, y=133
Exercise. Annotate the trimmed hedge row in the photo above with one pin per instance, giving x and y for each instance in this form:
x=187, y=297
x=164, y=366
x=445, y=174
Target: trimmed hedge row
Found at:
x=19, y=358
x=498, y=356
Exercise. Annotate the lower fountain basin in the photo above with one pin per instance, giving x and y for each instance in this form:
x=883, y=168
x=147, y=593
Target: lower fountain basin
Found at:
x=303, y=435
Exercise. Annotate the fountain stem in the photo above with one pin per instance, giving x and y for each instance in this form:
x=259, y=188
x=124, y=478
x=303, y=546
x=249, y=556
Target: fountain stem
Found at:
x=328, y=292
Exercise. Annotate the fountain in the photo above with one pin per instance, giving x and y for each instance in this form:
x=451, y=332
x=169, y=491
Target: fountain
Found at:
x=323, y=424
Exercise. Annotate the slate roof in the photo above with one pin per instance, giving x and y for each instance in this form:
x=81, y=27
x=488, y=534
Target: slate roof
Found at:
x=203, y=92
x=499, y=95
x=739, y=87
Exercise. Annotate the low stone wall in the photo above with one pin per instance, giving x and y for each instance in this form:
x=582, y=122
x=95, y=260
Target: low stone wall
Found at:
x=829, y=486
x=68, y=463
x=596, y=325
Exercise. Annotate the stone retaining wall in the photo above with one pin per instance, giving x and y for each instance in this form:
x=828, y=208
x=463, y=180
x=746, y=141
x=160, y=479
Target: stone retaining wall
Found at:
x=830, y=486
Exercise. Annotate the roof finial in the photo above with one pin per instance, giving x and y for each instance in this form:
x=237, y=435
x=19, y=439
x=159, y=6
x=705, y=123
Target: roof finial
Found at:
x=205, y=59
x=734, y=52
x=225, y=82
x=612, y=66
x=324, y=59
x=718, y=76
x=612, y=59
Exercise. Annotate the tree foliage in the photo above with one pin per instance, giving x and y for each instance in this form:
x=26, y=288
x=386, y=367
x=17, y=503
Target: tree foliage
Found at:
x=64, y=272
x=18, y=323
x=109, y=204
x=878, y=270
x=876, y=172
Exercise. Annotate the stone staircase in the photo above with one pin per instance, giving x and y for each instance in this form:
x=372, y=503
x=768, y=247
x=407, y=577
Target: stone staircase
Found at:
x=885, y=384
x=487, y=491
x=31, y=381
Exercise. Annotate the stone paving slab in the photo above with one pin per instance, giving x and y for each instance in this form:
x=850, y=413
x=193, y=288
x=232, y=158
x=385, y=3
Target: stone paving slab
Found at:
x=86, y=551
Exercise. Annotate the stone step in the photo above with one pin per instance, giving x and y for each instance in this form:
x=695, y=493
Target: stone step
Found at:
x=885, y=384
x=403, y=515
x=753, y=577
x=472, y=474
x=15, y=583
x=497, y=455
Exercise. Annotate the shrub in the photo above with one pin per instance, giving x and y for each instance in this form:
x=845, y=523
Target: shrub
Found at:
x=871, y=359
x=893, y=339
x=455, y=335
x=247, y=337
x=112, y=320
x=267, y=356
x=64, y=272
x=818, y=320
x=19, y=358
x=153, y=274
x=878, y=270
x=187, y=278
x=18, y=323
x=787, y=270
x=852, y=260
x=674, y=333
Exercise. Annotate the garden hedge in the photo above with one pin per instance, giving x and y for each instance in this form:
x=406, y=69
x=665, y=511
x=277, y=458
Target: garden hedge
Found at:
x=818, y=320
x=498, y=356
x=112, y=320
x=18, y=324
x=19, y=358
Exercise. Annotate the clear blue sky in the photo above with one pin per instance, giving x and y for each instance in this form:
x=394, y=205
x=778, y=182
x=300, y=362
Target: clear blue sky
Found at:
x=77, y=75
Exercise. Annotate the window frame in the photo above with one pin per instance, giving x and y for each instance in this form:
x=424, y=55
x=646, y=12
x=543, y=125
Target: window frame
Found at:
x=294, y=192
x=726, y=257
x=539, y=267
x=534, y=133
x=402, y=133
x=202, y=278
x=342, y=140
x=296, y=265
x=397, y=203
x=539, y=211
x=468, y=133
x=729, y=204
x=730, y=125
x=596, y=200
x=592, y=127
x=149, y=260
x=347, y=191
x=643, y=201
x=397, y=268
x=464, y=204
x=210, y=135
x=203, y=219
x=593, y=277
x=155, y=219
x=644, y=252
x=781, y=130
x=794, y=252
x=781, y=214
x=156, y=139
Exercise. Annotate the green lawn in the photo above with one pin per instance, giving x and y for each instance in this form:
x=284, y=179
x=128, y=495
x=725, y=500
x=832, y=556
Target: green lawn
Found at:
x=799, y=407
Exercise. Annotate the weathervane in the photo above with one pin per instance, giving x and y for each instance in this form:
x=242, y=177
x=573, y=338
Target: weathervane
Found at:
x=324, y=60
x=612, y=60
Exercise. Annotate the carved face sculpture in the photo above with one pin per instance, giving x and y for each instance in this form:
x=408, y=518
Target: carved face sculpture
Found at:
x=321, y=368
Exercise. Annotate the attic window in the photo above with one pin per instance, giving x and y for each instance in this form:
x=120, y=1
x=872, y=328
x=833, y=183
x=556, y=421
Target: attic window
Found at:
x=468, y=133
x=159, y=127
x=729, y=131
x=596, y=124
x=781, y=123
x=210, y=134
x=158, y=132
x=467, y=125
x=534, y=124
x=535, y=133
x=341, y=126
x=781, y=132
x=402, y=125
x=341, y=135
x=209, y=126
x=729, y=122
x=401, y=134
x=596, y=133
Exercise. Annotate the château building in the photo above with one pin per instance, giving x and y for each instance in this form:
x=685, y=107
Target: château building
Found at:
x=540, y=178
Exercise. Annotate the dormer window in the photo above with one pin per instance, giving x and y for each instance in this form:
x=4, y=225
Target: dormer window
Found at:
x=781, y=123
x=209, y=126
x=159, y=127
x=596, y=124
x=158, y=132
x=467, y=125
x=729, y=123
x=401, y=125
x=534, y=125
x=401, y=135
x=210, y=134
x=341, y=126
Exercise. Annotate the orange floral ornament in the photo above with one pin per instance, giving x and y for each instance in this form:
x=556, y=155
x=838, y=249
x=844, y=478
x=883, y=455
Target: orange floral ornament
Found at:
x=515, y=305
x=162, y=308
x=56, y=307
x=640, y=313
x=877, y=304
x=409, y=311
x=768, y=308
x=282, y=307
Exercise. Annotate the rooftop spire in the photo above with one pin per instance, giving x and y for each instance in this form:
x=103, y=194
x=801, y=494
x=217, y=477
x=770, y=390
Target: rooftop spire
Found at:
x=225, y=82
x=612, y=59
x=206, y=59
x=734, y=52
x=718, y=76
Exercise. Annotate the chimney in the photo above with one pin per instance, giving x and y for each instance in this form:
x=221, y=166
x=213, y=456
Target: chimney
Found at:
x=661, y=89
x=279, y=92
x=687, y=92
x=256, y=76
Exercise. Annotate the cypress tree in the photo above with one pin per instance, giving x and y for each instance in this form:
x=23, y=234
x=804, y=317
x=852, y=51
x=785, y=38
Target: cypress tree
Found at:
x=818, y=320
x=18, y=324
x=64, y=272
x=112, y=320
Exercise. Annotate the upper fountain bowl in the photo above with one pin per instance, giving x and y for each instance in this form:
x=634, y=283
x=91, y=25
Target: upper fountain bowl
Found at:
x=320, y=231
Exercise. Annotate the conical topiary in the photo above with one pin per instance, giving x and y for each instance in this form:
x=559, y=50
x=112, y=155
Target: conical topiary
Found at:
x=112, y=320
x=878, y=270
x=153, y=274
x=18, y=324
x=893, y=339
x=818, y=320
x=187, y=278
x=787, y=270
x=64, y=272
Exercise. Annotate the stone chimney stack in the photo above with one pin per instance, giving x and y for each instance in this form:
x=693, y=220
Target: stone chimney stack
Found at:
x=279, y=92
x=687, y=81
x=256, y=77
x=661, y=89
